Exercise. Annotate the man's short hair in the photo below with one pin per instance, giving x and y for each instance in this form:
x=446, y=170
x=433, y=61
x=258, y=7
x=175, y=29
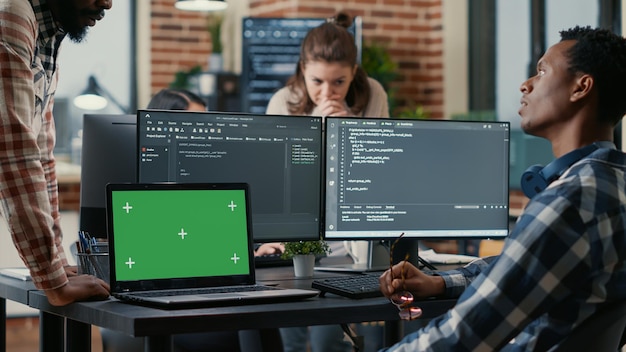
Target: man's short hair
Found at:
x=602, y=54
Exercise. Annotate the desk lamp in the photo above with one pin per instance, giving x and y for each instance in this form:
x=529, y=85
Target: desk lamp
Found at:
x=94, y=97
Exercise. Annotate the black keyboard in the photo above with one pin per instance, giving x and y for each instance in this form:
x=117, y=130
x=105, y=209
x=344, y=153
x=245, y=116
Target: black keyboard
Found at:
x=356, y=287
x=271, y=260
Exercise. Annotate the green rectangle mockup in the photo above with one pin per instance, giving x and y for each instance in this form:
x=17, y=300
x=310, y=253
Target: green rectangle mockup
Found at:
x=179, y=233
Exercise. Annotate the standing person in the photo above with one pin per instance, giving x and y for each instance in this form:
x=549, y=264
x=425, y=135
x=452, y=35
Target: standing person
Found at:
x=31, y=32
x=327, y=82
x=564, y=260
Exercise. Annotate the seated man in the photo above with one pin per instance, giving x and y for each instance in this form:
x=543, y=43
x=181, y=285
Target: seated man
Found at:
x=564, y=259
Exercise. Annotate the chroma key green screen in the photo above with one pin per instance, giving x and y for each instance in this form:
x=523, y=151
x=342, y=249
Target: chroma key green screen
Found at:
x=179, y=233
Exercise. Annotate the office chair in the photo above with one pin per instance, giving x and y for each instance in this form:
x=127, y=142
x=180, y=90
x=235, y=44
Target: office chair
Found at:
x=602, y=332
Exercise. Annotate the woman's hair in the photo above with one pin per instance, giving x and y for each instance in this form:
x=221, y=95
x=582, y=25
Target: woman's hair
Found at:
x=174, y=99
x=329, y=42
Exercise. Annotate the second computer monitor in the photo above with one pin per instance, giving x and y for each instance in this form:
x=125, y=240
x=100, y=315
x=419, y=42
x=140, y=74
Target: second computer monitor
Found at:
x=278, y=156
x=437, y=179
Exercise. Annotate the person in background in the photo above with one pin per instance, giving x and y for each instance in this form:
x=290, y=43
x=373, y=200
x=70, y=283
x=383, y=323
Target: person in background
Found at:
x=31, y=32
x=224, y=341
x=564, y=259
x=327, y=82
x=177, y=99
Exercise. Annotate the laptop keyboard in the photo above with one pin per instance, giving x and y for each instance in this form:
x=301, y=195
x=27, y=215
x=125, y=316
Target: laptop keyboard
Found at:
x=356, y=287
x=205, y=290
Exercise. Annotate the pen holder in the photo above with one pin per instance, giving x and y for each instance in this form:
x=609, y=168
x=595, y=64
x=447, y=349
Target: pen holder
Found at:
x=96, y=264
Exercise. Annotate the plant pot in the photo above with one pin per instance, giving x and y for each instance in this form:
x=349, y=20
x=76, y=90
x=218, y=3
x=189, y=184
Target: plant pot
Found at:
x=303, y=265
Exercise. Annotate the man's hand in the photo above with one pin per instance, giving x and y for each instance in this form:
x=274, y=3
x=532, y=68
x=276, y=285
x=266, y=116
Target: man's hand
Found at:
x=269, y=248
x=415, y=281
x=79, y=288
x=71, y=270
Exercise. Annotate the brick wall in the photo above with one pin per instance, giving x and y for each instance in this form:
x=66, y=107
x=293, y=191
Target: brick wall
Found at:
x=412, y=30
x=69, y=196
x=179, y=41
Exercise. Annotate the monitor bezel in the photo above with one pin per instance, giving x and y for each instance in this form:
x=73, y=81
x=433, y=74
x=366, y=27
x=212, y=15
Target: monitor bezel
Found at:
x=392, y=235
x=257, y=238
x=105, y=158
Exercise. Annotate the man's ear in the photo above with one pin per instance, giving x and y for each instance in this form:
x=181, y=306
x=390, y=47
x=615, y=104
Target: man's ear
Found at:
x=582, y=87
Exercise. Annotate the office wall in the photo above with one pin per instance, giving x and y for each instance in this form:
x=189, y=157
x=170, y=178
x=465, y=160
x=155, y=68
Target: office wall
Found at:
x=513, y=44
x=455, y=57
x=412, y=30
x=179, y=41
x=106, y=54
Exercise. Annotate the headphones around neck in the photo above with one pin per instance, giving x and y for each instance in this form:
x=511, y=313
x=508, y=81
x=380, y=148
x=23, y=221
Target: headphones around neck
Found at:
x=537, y=178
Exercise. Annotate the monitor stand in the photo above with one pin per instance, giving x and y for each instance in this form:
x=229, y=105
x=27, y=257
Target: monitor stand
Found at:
x=377, y=260
x=378, y=257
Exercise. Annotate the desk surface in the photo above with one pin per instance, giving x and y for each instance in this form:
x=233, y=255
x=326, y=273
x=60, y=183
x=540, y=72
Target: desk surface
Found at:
x=15, y=290
x=137, y=320
x=157, y=325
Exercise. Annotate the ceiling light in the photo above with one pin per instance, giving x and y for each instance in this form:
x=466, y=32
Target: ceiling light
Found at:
x=201, y=5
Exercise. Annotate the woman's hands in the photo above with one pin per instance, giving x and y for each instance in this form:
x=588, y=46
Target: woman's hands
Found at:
x=334, y=106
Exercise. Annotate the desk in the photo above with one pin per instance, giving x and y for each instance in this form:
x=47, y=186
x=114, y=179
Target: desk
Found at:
x=157, y=325
x=14, y=290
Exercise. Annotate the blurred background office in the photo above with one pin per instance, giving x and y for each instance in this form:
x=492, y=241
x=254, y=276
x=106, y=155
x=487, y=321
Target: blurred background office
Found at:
x=437, y=58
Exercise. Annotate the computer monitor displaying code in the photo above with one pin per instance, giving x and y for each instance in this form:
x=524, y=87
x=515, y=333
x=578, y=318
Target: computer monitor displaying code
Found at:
x=278, y=156
x=435, y=179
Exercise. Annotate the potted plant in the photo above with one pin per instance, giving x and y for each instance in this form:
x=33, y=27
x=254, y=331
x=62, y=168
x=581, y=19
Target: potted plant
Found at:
x=379, y=65
x=303, y=254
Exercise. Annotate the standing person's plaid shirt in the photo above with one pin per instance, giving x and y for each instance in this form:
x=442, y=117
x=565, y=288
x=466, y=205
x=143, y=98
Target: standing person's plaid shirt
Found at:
x=563, y=261
x=29, y=42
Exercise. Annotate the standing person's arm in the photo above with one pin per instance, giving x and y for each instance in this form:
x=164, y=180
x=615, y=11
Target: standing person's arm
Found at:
x=28, y=186
x=27, y=174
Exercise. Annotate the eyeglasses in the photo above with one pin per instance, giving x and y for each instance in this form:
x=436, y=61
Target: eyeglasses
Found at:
x=402, y=299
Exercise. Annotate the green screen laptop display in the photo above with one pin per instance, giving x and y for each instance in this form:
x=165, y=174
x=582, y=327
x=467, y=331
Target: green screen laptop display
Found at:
x=164, y=234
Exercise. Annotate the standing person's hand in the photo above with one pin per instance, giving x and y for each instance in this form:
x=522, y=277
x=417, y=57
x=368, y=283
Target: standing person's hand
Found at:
x=334, y=106
x=79, y=288
x=415, y=281
x=71, y=270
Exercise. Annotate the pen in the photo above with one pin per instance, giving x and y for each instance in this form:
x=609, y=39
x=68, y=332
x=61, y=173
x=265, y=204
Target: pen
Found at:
x=426, y=263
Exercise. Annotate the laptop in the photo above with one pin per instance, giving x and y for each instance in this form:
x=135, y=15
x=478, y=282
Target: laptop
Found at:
x=185, y=245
